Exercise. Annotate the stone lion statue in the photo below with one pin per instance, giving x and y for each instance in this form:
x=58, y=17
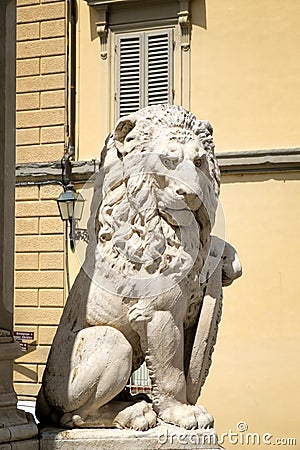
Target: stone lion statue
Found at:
x=144, y=287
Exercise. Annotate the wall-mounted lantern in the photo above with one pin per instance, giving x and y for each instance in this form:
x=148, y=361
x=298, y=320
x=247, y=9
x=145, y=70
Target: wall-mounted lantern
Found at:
x=70, y=204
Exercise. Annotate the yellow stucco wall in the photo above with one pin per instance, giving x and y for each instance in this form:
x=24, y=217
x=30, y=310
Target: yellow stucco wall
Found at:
x=93, y=95
x=245, y=71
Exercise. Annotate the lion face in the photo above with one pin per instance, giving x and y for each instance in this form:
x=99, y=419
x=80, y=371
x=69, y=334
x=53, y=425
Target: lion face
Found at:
x=179, y=164
x=185, y=179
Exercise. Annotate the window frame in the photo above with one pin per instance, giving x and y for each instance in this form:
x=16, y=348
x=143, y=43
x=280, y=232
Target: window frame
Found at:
x=116, y=16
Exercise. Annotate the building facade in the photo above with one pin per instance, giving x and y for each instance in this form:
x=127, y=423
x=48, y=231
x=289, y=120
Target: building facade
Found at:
x=41, y=136
x=234, y=63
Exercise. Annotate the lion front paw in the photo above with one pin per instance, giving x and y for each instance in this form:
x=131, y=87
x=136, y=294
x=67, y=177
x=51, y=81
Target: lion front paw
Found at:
x=139, y=416
x=187, y=416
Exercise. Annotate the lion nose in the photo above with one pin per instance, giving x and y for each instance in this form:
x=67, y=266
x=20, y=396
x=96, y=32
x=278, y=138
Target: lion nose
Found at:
x=180, y=191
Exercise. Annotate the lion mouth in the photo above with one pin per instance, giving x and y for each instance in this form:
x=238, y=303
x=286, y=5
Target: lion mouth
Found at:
x=177, y=217
x=178, y=203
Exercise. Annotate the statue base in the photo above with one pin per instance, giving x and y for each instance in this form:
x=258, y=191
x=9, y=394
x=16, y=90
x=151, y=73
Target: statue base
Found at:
x=18, y=429
x=162, y=437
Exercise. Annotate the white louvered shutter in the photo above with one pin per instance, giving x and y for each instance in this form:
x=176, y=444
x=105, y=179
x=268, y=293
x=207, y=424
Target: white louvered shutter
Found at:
x=130, y=74
x=144, y=70
x=158, y=63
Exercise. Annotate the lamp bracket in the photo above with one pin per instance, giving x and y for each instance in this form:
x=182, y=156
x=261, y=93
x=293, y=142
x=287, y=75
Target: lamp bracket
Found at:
x=81, y=234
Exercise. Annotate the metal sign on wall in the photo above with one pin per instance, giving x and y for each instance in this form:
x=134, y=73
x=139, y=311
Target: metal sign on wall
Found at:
x=24, y=338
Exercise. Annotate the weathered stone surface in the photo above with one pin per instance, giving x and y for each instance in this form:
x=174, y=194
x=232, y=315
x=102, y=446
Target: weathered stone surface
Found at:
x=52, y=134
x=28, y=136
x=151, y=284
x=40, y=13
x=161, y=437
x=45, y=117
x=38, y=84
x=53, y=99
x=27, y=102
x=16, y=425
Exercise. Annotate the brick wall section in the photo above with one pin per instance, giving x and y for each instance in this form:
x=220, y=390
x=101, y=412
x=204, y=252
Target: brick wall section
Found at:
x=39, y=279
x=41, y=79
x=41, y=119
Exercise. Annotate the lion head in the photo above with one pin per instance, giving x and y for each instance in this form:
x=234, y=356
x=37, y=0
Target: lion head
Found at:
x=158, y=192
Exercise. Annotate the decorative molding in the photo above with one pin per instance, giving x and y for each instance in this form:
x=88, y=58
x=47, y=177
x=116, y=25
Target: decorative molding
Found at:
x=185, y=25
x=176, y=11
x=259, y=161
x=102, y=30
x=109, y=2
x=38, y=173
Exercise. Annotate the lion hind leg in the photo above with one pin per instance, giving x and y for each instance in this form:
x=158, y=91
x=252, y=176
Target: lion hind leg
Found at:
x=131, y=415
x=99, y=368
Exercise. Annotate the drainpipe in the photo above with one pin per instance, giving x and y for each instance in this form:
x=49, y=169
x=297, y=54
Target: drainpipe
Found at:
x=66, y=162
x=70, y=151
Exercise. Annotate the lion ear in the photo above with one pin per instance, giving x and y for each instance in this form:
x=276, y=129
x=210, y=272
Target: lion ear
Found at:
x=123, y=127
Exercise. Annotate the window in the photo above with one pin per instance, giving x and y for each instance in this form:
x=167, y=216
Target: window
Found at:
x=144, y=70
x=144, y=49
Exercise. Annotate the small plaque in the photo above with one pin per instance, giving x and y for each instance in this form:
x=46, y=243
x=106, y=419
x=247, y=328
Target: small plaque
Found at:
x=21, y=336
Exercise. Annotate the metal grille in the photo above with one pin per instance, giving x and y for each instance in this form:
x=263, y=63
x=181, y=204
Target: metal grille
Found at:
x=140, y=381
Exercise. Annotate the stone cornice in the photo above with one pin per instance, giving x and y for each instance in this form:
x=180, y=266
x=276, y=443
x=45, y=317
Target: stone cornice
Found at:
x=258, y=161
x=111, y=2
x=45, y=171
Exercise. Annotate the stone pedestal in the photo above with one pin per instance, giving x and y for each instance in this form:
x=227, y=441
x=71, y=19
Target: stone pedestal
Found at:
x=17, y=429
x=162, y=437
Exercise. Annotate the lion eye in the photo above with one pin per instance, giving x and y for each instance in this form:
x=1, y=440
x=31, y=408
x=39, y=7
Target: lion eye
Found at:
x=169, y=163
x=198, y=162
x=166, y=162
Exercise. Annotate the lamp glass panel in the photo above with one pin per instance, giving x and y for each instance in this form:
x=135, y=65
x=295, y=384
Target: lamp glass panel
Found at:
x=78, y=207
x=70, y=206
x=63, y=209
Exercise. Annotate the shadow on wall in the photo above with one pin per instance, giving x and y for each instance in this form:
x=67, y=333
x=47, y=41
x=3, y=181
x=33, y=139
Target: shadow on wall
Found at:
x=199, y=14
x=93, y=19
